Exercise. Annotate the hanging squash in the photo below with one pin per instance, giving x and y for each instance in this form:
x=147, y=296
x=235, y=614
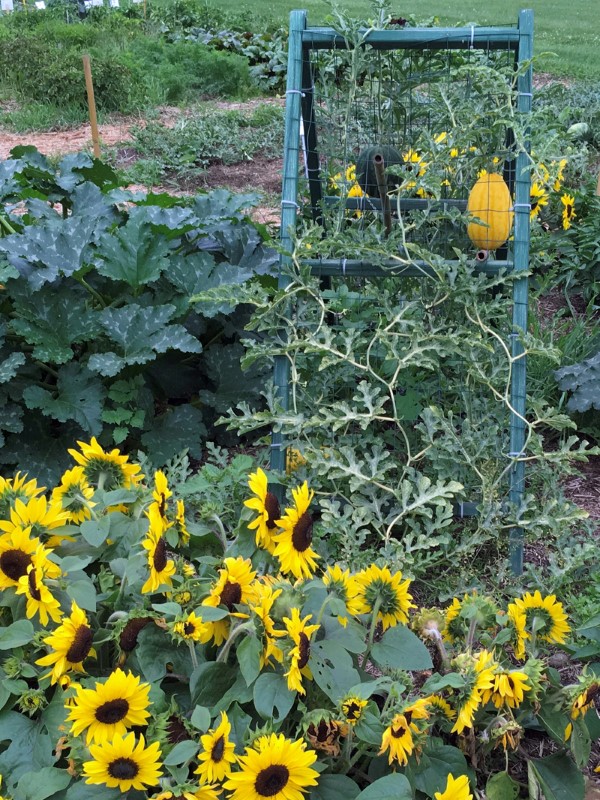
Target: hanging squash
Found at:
x=490, y=202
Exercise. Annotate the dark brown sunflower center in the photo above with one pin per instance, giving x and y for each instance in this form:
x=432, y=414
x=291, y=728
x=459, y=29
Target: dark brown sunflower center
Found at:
x=302, y=533
x=569, y=209
x=398, y=733
x=130, y=633
x=189, y=628
x=14, y=563
x=231, y=595
x=112, y=711
x=352, y=710
x=303, y=649
x=33, y=588
x=159, y=558
x=271, y=780
x=123, y=769
x=218, y=749
x=81, y=646
x=273, y=510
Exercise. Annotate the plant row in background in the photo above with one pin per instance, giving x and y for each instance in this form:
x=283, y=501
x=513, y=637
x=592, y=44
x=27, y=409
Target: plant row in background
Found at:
x=151, y=655
x=98, y=334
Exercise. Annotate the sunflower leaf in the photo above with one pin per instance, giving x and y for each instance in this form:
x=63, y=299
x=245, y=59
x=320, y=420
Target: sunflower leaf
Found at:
x=390, y=787
x=558, y=777
x=16, y=635
x=271, y=694
x=334, y=787
x=400, y=648
x=42, y=783
x=181, y=753
x=248, y=653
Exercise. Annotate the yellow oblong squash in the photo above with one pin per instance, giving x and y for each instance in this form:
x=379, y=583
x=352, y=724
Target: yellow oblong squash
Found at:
x=490, y=201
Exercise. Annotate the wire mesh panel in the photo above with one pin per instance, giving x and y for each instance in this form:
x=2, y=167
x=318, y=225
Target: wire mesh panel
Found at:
x=386, y=140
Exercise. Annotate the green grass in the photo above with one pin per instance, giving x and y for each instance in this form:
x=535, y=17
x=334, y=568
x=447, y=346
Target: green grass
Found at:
x=566, y=38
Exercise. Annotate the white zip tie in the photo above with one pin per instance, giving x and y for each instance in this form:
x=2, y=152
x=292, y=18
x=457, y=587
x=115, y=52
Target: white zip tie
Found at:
x=522, y=205
x=295, y=91
x=344, y=266
x=525, y=94
x=461, y=507
x=472, y=36
x=290, y=203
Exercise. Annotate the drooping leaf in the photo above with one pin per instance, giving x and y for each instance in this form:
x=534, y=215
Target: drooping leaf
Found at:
x=16, y=635
x=78, y=396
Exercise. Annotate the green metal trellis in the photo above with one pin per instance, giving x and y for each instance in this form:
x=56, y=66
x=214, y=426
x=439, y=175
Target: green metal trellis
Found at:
x=302, y=137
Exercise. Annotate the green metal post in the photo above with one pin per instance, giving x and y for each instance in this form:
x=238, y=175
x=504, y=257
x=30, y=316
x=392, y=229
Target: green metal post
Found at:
x=520, y=294
x=289, y=205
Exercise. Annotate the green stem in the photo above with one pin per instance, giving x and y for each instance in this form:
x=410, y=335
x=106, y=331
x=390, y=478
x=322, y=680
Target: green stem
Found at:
x=48, y=369
x=376, y=608
x=91, y=290
x=4, y=223
x=192, y=648
x=221, y=532
x=246, y=626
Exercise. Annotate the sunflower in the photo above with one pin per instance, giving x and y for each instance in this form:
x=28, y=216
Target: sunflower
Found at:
x=71, y=644
x=378, y=588
x=106, y=470
x=398, y=740
x=550, y=620
x=352, y=708
x=180, y=526
x=113, y=706
x=537, y=199
x=17, y=552
x=191, y=628
x=341, y=585
x=293, y=544
x=188, y=792
x=568, y=213
x=162, y=568
x=478, y=672
x=560, y=175
x=275, y=767
x=123, y=764
x=414, y=161
x=261, y=608
x=586, y=696
x=456, y=789
x=161, y=492
x=74, y=496
x=463, y=616
x=217, y=757
x=39, y=598
x=234, y=587
x=509, y=689
x=438, y=704
x=15, y=488
x=299, y=632
x=268, y=510
x=42, y=517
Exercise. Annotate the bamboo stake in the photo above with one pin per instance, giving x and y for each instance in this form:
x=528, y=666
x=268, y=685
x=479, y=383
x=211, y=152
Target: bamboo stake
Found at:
x=89, y=86
x=598, y=186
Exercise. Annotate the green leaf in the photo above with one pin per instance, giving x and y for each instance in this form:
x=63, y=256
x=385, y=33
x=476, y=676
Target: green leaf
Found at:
x=436, y=763
x=501, y=787
x=83, y=791
x=42, y=783
x=369, y=728
x=333, y=669
x=400, y=648
x=438, y=682
x=580, y=741
x=79, y=396
x=554, y=721
x=210, y=681
x=180, y=428
x=140, y=334
x=95, y=531
x=10, y=366
x=334, y=787
x=16, y=635
x=134, y=253
x=155, y=650
x=271, y=695
x=53, y=321
x=390, y=787
x=248, y=653
x=83, y=592
x=30, y=749
x=200, y=718
x=558, y=777
x=181, y=753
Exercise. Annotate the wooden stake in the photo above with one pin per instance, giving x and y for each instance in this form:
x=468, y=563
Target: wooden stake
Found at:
x=598, y=185
x=87, y=69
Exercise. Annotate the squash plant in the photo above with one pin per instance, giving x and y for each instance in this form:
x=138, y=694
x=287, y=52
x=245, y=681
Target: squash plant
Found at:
x=97, y=333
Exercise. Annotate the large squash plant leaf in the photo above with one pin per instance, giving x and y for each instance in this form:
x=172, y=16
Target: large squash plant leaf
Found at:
x=134, y=254
x=79, y=396
x=178, y=429
x=53, y=320
x=583, y=380
x=140, y=334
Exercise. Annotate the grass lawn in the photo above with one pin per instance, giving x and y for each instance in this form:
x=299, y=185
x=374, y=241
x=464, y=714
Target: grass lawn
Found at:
x=567, y=36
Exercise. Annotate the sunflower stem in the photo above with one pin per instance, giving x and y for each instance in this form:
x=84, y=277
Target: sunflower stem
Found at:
x=471, y=634
x=375, y=612
x=221, y=531
x=245, y=626
x=192, y=649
